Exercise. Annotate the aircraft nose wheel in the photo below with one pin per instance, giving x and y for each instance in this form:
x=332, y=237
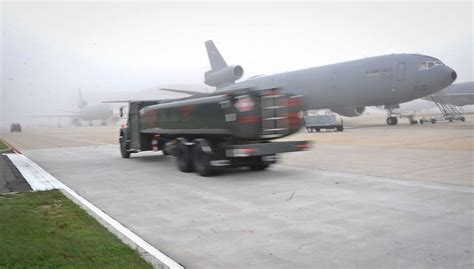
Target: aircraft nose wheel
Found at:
x=392, y=120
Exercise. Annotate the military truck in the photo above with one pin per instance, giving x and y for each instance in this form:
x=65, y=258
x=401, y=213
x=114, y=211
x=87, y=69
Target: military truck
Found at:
x=209, y=132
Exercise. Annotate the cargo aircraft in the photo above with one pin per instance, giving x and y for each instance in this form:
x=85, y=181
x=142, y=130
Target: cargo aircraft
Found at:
x=345, y=88
x=88, y=113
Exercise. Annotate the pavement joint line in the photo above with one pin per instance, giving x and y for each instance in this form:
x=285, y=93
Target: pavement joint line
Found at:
x=41, y=180
x=75, y=139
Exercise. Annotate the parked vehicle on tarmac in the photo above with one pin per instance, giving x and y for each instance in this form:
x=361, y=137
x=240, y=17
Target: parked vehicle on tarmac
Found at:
x=319, y=122
x=15, y=127
x=209, y=132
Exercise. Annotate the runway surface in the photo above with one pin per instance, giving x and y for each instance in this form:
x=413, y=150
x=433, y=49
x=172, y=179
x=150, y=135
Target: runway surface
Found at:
x=375, y=196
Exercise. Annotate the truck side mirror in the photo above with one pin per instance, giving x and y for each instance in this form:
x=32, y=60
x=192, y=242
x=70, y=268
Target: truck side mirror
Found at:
x=121, y=112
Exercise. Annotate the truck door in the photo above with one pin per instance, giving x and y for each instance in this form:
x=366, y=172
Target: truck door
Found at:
x=134, y=126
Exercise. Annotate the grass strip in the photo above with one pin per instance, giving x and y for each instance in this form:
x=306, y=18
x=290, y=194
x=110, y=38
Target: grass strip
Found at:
x=3, y=145
x=47, y=230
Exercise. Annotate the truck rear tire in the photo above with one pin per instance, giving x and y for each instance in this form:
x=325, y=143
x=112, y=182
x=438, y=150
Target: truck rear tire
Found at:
x=202, y=161
x=340, y=128
x=183, y=158
x=259, y=165
x=124, y=150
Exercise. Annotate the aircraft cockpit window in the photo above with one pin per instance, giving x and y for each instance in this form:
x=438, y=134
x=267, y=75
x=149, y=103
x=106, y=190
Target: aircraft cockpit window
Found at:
x=428, y=65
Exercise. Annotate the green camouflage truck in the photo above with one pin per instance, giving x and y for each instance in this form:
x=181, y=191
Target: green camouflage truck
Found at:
x=212, y=131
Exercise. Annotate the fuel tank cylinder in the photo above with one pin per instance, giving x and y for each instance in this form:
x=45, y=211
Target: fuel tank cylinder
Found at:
x=244, y=114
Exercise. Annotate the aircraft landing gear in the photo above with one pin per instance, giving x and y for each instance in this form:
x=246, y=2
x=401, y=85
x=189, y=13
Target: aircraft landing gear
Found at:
x=392, y=120
x=392, y=111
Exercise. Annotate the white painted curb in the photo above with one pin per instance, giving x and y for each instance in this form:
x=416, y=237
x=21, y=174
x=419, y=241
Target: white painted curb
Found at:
x=41, y=180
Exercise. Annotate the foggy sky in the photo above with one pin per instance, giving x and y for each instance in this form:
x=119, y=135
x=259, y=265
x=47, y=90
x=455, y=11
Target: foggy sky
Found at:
x=50, y=50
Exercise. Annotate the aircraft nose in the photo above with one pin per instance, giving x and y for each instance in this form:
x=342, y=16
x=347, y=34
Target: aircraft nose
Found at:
x=454, y=75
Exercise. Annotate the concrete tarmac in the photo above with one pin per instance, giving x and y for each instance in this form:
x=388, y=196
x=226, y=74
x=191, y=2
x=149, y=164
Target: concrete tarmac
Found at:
x=372, y=196
x=442, y=152
x=285, y=217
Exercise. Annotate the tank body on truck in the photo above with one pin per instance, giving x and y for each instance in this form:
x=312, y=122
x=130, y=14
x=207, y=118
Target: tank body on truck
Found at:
x=209, y=132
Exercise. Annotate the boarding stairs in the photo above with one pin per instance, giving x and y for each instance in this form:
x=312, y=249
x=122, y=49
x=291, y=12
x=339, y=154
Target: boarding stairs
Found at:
x=450, y=112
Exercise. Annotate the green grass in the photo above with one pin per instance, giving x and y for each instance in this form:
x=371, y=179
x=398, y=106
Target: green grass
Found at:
x=47, y=230
x=3, y=145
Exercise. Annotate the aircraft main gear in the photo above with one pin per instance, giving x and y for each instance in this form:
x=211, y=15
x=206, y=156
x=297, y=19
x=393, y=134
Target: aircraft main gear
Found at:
x=392, y=120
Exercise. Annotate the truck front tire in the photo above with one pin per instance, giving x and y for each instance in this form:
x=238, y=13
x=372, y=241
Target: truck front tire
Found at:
x=184, y=159
x=124, y=149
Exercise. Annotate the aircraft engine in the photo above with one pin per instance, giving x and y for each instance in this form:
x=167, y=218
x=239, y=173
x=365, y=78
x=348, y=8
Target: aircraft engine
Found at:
x=350, y=111
x=223, y=76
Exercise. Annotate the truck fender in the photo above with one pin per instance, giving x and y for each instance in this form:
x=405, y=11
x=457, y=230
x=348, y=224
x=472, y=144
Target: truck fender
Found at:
x=123, y=135
x=204, y=145
x=183, y=141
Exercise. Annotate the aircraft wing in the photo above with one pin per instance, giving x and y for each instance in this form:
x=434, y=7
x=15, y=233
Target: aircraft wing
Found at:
x=448, y=95
x=56, y=116
x=192, y=93
x=135, y=100
x=460, y=94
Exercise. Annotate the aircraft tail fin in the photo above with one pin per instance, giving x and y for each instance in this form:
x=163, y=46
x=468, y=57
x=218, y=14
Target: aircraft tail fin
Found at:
x=220, y=75
x=215, y=58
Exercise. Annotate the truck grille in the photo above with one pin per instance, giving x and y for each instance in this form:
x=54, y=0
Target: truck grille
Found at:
x=274, y=114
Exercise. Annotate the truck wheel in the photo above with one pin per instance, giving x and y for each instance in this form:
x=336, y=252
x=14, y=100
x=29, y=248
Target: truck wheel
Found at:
x=340, y=128
x=258, y=165
x=317, y=130
x=183, y=159
x=202, y=161
x=124, y=150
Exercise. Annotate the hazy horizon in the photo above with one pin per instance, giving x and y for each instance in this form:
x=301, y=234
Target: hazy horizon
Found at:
x=50, y=50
